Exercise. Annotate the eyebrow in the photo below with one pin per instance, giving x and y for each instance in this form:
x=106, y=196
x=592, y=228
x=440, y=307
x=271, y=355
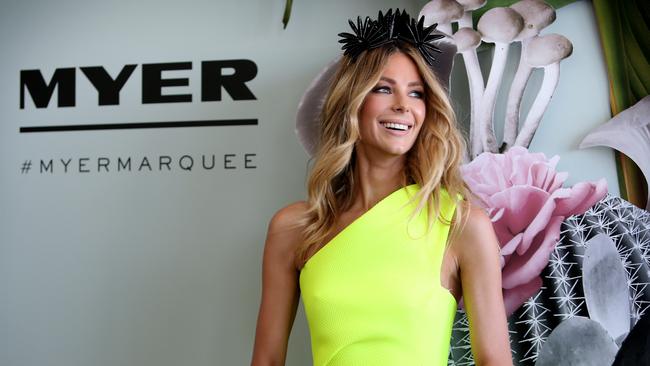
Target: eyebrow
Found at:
x=391, y=81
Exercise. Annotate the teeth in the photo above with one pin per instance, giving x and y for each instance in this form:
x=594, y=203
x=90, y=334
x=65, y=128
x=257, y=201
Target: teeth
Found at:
x=396, y=126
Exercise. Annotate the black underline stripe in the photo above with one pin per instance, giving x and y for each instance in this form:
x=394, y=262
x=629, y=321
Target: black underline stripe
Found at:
x=139, y=125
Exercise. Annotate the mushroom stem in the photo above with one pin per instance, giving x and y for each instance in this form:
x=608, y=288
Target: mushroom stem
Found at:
x=466, y=20
x=514, y=99
x=543, y=98
x=486, y=111
x=445, y=28
x=475, y=94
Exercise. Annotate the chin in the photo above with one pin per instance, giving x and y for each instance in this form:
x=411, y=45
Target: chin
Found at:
x=398, y=150
x=387, y=148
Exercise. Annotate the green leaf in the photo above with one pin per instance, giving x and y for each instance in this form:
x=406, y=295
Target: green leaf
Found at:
x=638, y=68
x=624, y=32
x=611, y=35
x=287, y=13
x=637, y=26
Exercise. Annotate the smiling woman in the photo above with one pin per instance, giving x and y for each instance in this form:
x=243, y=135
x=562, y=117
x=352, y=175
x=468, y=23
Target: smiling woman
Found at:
x=393, y=112
x=386, y=243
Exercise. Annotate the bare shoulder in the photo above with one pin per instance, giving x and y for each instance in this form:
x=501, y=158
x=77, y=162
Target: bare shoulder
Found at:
x=284, y=235
x=478, y=222
x=284, y=220
x=476, y=237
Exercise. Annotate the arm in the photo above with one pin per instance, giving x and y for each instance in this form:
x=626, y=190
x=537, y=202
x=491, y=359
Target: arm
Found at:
x=480, y=273
x=280, y=292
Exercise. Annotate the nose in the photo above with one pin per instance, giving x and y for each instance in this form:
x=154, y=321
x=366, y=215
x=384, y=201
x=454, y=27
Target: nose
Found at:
x=401, y=107
x=400, y=104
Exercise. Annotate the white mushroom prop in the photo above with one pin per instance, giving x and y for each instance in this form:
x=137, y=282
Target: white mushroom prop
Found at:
x=546, y=51
x=467, y=40
x=537, y=15
x=443, y=12
x=469, y=6
x=499, y=26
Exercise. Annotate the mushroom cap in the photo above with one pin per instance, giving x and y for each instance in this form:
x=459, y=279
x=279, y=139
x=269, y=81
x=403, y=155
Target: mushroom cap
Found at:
x=466, y=39
x=441, y=12
x=537, y=15
x=470, y=5
x=500, y=25
x=547, y=49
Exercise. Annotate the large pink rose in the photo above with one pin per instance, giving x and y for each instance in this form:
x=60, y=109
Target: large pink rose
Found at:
x=523, y=196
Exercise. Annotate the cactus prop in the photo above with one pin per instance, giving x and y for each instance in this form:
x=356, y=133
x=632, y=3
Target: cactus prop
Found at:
x=563, y=295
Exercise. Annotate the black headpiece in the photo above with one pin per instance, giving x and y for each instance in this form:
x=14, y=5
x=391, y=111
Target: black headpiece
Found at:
x=390, y=28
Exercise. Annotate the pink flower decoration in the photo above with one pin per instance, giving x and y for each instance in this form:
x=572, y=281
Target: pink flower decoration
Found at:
x=524, y=198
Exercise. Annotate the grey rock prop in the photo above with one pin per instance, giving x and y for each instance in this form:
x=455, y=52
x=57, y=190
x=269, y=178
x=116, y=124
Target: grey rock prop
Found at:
x=629, y=133
x=605, y=283
x=578, y=341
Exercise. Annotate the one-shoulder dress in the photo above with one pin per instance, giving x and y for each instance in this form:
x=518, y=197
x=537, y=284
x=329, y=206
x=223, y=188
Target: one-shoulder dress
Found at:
x=372, y=295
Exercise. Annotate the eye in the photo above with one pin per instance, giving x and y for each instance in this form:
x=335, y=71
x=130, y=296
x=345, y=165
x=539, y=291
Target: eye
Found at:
x=417, y=94
x=381, y=89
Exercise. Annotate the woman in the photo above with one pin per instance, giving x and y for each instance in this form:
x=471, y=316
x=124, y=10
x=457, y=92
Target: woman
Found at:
x=385, y=245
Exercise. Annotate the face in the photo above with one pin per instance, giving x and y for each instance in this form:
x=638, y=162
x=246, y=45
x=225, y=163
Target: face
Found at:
x=393, y=112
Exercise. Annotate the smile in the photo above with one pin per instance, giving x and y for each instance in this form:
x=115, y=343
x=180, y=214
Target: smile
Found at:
x=396, y=126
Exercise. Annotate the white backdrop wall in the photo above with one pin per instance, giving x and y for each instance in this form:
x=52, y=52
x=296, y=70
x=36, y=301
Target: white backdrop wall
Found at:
x=161, y=266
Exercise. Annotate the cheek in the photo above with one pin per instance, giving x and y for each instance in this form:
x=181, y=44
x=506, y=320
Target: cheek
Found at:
x=370, y=108
x=420, y=114
x=420, y=111
x=369, y=111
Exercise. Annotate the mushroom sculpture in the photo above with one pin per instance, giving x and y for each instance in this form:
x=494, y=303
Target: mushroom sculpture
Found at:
x=499, y=26
x=442, y=12
x=536, y=15
x=467, y=40
x=469, y=6
x=546, y=51
x=521, y=22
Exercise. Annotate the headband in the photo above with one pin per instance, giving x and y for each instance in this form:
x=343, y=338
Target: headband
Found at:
x=389, y=28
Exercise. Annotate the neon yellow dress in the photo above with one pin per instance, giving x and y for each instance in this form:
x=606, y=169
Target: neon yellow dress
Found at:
x=372, y=295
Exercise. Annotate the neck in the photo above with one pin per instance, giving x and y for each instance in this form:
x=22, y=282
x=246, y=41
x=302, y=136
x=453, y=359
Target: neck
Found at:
x=376, y=178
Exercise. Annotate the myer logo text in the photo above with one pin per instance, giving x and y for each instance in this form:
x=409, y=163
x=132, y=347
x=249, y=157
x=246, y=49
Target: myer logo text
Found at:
x=229, y=75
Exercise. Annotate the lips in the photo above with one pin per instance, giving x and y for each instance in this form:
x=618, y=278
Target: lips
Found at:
x=396, y=125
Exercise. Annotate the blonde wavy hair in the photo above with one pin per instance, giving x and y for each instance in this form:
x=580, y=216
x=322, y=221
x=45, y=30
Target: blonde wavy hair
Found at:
x=433, y=162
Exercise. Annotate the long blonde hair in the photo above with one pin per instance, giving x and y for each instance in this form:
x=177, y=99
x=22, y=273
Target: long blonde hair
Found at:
x=433, y=162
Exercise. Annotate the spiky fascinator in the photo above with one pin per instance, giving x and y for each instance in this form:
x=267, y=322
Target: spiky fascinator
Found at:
x=391, y=27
